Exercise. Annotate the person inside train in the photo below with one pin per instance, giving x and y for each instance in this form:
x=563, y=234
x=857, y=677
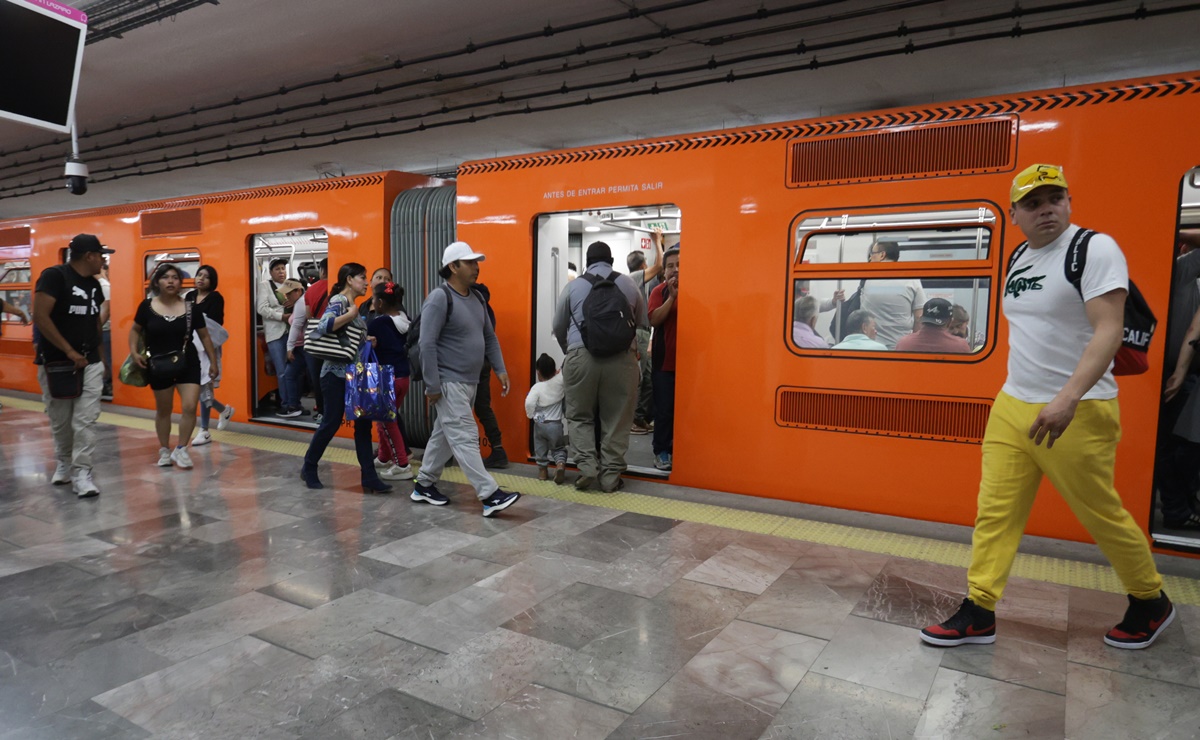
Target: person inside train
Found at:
x=1178, y=454
x=164, y=325
x=291, y=379
x=275, y=310
x=453, y=345
x=860, y=332
x=67, y=303
x=212, y=304
x=497, y=458
x=340, y=312
x=895, y=302
x=14, y=310
x=608, y=382
x=960, y=322
x=368, y=308
x=642, y=274
x=933, y=334
x=804, y=323
x=106, y=332
x=663, y=315
x=390, y=329
x=544, y=407
x=1059, y=390
x=313, y=304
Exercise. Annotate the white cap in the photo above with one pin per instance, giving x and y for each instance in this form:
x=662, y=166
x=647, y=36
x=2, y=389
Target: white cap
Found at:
x=460, y=251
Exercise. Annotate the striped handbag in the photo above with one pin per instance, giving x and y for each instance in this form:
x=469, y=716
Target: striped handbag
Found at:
x=339, y=346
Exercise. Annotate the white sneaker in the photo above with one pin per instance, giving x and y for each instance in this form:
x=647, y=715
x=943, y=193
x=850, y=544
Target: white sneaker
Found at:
x=396, y=472
x=164, y=457
x=83, y=484
x=381, y=465
x=62, y=474
x=223, y=419
x=181, y=458
x=202, y=438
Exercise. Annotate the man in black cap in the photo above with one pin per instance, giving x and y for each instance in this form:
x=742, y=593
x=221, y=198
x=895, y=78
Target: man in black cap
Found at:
x=606, y=379
x=933, y=331
x=66, y=313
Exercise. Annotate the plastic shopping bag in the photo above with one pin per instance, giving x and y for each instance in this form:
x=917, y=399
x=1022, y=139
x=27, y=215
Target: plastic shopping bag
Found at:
x=370, y=388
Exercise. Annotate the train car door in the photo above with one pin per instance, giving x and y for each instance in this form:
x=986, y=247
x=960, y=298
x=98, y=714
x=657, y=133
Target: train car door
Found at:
x=282, y=265
x=560, y=244
x=1175, y=521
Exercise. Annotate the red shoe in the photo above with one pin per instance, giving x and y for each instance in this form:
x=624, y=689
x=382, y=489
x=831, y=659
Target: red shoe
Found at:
x=1144, y=621
x=971, y=624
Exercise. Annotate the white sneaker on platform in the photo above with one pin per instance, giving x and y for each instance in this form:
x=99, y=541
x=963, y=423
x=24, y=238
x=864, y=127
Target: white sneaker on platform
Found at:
x=202, y=438
x=381, y=465
x=62, y=474
x=83, y=484
x=223, y=419
x=396, y=472
x=164, y=457
x=181, y=458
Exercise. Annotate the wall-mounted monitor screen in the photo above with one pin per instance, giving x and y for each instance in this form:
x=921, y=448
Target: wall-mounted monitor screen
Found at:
x=41, y=50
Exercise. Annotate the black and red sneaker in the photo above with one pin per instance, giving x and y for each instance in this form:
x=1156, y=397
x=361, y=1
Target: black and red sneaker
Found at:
x=1144, y=621
x=971, y=624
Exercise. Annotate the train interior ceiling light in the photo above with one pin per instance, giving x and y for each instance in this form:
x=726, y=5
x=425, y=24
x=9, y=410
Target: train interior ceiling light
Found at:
x=41, y=51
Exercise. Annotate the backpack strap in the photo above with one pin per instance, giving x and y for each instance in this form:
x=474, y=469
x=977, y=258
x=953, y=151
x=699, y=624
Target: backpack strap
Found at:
x=592, y=280
x=1076, y=258
x=1016, y=254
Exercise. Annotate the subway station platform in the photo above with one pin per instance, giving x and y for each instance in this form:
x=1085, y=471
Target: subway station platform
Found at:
x=228, y=601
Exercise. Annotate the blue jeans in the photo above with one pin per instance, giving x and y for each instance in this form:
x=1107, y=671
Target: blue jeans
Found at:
x=333, y=386
x=296, y=369
x=664, y=411
x=277, y=349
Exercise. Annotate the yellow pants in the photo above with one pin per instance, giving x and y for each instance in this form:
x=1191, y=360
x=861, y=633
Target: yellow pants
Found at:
x=1080, y=466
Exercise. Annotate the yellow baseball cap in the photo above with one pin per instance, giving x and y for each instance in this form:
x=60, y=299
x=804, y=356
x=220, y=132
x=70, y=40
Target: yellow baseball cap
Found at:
x=1035, y=176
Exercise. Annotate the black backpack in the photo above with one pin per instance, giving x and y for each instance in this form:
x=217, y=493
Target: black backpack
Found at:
x=1132, y=358
x=608, y=327
x=412, y=343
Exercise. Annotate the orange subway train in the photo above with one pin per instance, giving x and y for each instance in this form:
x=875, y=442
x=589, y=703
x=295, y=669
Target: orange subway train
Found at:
x=773, y=213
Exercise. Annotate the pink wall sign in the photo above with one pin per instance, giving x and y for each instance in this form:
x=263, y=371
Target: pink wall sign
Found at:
x=65, y=11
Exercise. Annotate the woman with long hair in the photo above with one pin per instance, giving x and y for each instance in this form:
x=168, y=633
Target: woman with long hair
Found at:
x=162, y=322
x=350, y=286
x=212, y=305
x=390, y=329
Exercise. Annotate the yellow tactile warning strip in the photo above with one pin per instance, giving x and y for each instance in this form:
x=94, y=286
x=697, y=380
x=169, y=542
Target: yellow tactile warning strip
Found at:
x=1034, y=567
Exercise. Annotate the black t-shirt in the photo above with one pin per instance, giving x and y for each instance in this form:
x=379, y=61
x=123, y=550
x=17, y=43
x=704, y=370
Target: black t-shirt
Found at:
x=213, y=306
x=389, y=345
x=76, y=312
x=166, y=333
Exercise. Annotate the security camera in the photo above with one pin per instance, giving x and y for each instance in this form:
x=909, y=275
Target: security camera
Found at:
x=77, y=176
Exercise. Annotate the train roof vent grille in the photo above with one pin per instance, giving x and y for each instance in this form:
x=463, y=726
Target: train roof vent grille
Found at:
x=945, y=419
x=170, y=223
x=906, y=152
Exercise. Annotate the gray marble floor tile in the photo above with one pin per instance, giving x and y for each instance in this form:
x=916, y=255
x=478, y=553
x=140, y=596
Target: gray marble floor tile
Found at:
x=537, y=711
x=579, y=614
x=1171, y=658
x=798, y=603
x=25, y=531
x=216, y=625
x=437, y=579
x=614, y=682
x=321, y=586
x=757, y=665
x=574, y=519
x=604, y=543
x=188, y=691
x=454, y=621
x=330, y=626
x=483, y=673
x=644, y=521
x=247, y=523
x=542, y=575
x=1107, y=705
x=913, y=593
x=419, y=549
x=840, y=568
x=880, y=655
x=1033, y=611
x=66, y=683
x=144, y=529
x=684, y=708
x=390, y=714
x=743, y=569
x=1014, y=661
x=823, y=707
x=515, y=545
x=29, y=558
x=208, y=589
x=970, y=707
x=84, y=721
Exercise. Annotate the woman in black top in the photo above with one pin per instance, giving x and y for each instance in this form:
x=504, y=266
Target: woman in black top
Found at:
x=161, y=323
x=212, y=303
x=390, y=330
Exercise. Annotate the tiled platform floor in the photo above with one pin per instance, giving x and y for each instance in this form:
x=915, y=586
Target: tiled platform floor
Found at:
x=229, y=602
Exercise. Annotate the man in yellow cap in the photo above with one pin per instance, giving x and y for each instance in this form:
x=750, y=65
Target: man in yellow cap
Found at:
x=1060, y=391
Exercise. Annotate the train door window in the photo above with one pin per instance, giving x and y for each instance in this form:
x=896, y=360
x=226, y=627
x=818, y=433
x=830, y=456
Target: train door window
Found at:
x=282, y=389
x=862, y=280
x=16, y=290
x=187, y=261
x=1177, y=460
x=560, y=245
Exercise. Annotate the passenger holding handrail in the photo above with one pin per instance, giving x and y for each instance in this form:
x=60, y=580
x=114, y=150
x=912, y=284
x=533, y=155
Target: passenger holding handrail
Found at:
x=1179, y=420
x=896, y=302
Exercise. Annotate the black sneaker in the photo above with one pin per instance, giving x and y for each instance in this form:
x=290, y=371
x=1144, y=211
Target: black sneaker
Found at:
x=1144, y=621
x=498, y=458
x=971, y=624
x=428, y=494
x=1191, y=522
x=499, y=501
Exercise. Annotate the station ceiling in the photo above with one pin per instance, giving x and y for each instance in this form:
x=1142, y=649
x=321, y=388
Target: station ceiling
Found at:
x=189, y=97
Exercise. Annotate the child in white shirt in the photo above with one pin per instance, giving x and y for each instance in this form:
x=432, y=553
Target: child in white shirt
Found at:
x=544, y=405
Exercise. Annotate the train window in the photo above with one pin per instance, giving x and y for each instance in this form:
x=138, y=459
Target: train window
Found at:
x=187, y=262
x=16, y=279
x=923, y=236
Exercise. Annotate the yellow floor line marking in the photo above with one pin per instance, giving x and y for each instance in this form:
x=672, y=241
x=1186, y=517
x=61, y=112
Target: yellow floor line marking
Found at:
x=1033, y=567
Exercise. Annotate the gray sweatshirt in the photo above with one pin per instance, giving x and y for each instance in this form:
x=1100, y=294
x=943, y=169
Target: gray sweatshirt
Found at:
x=453, y=351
